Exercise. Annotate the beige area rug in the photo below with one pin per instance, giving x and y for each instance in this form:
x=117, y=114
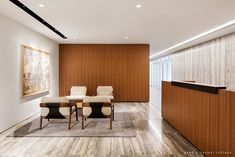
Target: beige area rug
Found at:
x=122, y=127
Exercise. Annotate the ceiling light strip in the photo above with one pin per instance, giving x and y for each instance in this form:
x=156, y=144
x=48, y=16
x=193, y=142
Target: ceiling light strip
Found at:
x=228, y=24
x=34, y=15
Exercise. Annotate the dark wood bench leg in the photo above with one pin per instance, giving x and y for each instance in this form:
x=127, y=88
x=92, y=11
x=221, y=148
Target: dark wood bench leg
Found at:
x=111, y=119
x=113, y=112
x=82, y=122
x=76, y=113
x=40, y=122
x=70, y=118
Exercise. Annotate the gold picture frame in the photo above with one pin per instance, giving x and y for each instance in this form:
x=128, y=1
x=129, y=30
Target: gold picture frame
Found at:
x=35, y=73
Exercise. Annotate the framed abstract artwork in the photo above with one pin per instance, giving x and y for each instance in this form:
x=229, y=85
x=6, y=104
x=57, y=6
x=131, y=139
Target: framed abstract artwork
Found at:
x=35, y=71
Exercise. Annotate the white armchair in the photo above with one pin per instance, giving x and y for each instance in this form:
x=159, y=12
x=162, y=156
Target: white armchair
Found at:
x=57, y=108
x=77, y=94
x=96, y=107
x=105, y=91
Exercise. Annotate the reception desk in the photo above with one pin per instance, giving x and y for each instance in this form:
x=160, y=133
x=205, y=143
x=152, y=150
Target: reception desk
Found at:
x=204, y=114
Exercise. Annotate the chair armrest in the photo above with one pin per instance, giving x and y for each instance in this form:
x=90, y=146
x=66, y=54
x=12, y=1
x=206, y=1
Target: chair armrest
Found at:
x=104, y=104
x=55, y=104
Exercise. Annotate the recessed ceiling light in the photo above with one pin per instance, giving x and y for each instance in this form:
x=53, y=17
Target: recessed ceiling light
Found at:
x=138, y=6
x=126, y=37
x=41, y=5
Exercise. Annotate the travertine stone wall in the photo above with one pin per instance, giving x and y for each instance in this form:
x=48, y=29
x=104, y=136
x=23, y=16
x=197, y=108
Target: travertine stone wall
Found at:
x=212, y=62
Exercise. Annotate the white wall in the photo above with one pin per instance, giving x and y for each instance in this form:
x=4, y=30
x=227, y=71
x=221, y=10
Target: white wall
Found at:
x=14, y=109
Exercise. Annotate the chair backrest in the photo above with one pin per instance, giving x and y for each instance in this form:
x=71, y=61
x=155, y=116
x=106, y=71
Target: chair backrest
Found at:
x=54, y=100
x=78, y=90
x=104, y=90
x=96, y=99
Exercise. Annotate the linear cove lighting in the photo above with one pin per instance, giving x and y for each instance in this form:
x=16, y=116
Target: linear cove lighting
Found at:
x=230, y=23
x=34, y=15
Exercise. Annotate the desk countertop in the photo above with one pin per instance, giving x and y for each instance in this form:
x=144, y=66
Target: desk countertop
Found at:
x=198, y=86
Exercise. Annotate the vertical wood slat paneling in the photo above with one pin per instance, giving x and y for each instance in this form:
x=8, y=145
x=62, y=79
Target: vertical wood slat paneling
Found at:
x=232, y=123
x=123, y=66
x=69, y=66
x=207, y=120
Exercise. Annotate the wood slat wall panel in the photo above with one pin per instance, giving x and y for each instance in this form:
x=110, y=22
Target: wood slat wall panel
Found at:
x=205, y=116
x=232, y=123
x=123, y=66
x=207, y=120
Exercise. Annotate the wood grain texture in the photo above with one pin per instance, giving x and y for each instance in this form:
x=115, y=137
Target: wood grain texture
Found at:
x=154, y=138
x=123, y=66
x=207, y=120
x=232, y=122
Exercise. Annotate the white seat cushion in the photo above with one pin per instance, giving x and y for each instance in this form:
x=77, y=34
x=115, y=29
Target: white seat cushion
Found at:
x=86, y=111
x=106, y=111
x=78, y=90
x=108, y=96
x=96, y=99
x=104, y=90
x=76, y=97
x=54, y=100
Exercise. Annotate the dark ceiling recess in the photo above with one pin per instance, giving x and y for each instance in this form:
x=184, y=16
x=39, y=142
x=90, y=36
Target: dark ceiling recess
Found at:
x=33, y=14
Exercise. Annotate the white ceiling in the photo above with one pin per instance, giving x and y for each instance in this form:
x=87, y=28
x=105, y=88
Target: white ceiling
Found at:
x=161, y=23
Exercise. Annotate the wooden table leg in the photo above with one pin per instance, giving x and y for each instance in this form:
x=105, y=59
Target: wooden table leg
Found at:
x=70, y=113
